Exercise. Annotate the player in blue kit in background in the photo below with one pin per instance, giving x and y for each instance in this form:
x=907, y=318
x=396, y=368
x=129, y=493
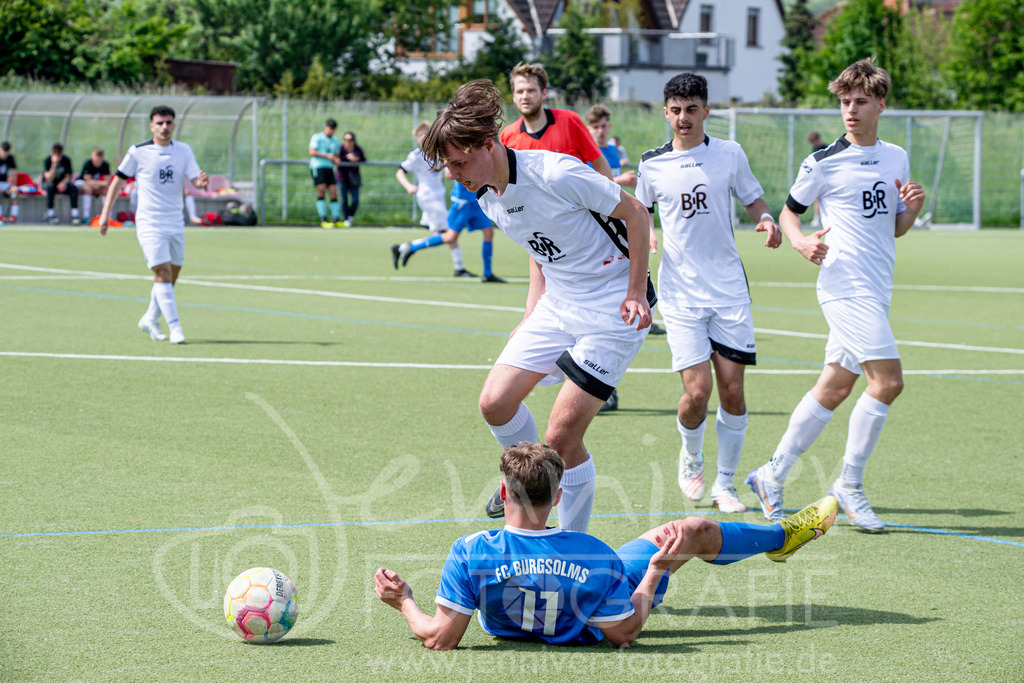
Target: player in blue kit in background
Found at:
x=465, y=214
x=561, y=587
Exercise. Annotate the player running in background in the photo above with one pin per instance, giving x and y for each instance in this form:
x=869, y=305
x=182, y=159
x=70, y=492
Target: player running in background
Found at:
x=464, y=214
x=705, y=299
x=532, y=582
x=324, y=151
x=589, y=301
x=160, y=167
x=430, y=194
x=867, y=201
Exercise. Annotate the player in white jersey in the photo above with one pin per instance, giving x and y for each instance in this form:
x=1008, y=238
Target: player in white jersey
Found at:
x=530, y=582
x=431, y=198
x=589, y=302
x=160, y=167
x=867, y=201
x=705, y=300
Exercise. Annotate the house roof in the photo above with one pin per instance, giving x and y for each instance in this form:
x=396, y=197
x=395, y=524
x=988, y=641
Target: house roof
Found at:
x=535, y=15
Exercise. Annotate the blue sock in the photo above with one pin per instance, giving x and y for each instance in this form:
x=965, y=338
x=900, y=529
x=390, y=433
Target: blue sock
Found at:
x=486, y=251
x=335, y=210
x=741, y=540
x=321, y=208
x=425, y=242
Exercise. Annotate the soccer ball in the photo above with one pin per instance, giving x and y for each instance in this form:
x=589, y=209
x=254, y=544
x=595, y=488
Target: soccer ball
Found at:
x=261, y=605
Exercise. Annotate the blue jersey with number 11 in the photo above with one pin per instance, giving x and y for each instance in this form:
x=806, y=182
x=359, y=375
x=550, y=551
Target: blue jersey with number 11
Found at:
x=552, y=585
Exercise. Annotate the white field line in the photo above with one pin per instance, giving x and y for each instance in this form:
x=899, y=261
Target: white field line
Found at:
x=423, y=366
x=474, y=306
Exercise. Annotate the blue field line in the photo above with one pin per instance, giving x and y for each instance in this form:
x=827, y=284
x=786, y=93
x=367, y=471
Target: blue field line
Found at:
x=310, y=525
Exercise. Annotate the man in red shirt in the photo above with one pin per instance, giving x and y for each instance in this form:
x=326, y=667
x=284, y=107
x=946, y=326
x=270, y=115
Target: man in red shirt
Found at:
x=556, y=130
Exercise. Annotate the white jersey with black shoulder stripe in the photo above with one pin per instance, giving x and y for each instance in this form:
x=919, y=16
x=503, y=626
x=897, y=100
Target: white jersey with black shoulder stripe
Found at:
x=160, y=174
x=856, y=190
x=557, y=209
x=694, y=190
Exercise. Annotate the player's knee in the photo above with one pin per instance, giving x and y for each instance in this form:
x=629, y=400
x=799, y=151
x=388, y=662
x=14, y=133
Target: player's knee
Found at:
x=495, y=409
x=888, y=388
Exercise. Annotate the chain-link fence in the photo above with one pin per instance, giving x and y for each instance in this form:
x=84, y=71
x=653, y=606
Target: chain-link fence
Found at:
x=971, y=172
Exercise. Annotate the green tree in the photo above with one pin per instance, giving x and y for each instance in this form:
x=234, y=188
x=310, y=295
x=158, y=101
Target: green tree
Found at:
x=126, y=44
x=575, y=66
x=41, y=37
x=870, y=28
x=269, y=37
x=800, y=49
x=502, y=51
x=986, y=56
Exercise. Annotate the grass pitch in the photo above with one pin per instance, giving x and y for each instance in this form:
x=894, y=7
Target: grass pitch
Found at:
x=322, y=420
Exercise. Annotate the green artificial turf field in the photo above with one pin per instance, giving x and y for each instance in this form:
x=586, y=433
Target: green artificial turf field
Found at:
x=322, y=420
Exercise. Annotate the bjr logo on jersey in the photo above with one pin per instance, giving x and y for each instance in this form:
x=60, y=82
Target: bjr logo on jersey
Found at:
x=544, y=247
x=694, y=201
x=874, y=200
x=167, y=174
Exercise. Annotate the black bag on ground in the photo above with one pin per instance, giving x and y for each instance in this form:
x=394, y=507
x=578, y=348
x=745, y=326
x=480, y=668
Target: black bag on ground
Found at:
x=236, y=213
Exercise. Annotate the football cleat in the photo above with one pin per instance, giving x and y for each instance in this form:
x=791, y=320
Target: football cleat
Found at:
x=810, y=523
x=495, y=505
x=76, y=221
x=347, y=222
x=768, y=492
x=855, y=505
x=12, y=219
x=462, y=272
x=177, y=336
x=340, y=224
x=491, y=278
x=396, y=253
x=726, y=499
x=691, y=475
x=327, y=225
x=657, y=329
x=152, y=328
x=53, y=220
x=611, y=404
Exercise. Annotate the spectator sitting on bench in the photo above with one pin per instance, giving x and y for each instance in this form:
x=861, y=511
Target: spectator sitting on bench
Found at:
x=8, y=180
x=57, y=180
x=94, y=181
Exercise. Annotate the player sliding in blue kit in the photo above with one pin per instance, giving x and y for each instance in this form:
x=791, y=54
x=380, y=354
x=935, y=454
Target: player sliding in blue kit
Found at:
x=560, y=587
x=464, y=214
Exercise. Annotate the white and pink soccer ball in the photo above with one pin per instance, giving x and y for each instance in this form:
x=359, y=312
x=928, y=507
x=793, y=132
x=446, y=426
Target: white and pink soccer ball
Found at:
x=261, y=605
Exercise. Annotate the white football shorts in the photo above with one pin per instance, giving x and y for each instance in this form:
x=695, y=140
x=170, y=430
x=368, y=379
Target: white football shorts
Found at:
x=435, y=215
x=162, y=247
x=694, y=333
x=596, y=347
x=858, y=331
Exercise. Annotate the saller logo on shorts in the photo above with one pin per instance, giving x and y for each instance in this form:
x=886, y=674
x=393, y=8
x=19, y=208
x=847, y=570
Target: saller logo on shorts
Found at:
x=544, y=247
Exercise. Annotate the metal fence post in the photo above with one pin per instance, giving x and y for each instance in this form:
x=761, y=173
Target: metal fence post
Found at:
x=284, y=155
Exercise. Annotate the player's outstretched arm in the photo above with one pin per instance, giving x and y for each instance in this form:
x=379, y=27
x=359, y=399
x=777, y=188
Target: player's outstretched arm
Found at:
x=761, y=213
x=443, y=631
x=912, y=195
x=634, y=309
x=810, y=246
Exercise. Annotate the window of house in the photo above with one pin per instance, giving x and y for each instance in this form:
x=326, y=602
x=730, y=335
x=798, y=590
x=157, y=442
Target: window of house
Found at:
x=753, y=26
x=479, y=13
x=707, y=24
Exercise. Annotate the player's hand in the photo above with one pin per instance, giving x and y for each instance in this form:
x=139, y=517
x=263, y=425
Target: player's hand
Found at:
x=911, y=194
x=202, y=180
x=391, y=588
x=636, y=311
x=413, y=189
x=669, y=542
x=812, y=248
x=774, y=233
x=104, y=223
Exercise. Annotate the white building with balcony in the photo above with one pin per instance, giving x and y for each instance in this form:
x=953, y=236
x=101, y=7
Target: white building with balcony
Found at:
x=735, y=44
